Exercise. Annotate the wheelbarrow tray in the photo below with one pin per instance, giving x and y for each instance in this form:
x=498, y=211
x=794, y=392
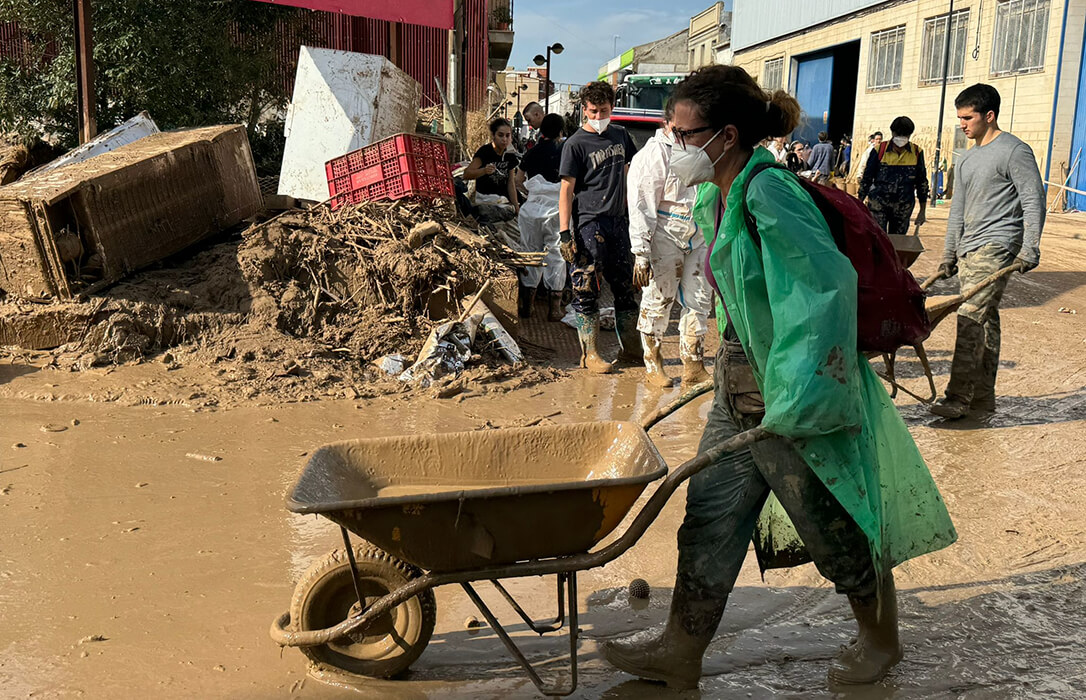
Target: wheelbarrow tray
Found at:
x=456, y=501
x=908, y=248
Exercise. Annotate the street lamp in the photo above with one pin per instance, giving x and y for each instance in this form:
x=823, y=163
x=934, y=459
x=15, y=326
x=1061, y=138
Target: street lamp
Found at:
x=520, y=88
x=540, y=60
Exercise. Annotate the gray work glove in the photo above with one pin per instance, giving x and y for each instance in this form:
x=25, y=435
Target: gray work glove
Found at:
x=1024, y=265
x=948, y=269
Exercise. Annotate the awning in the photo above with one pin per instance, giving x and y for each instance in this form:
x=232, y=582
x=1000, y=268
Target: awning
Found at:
x=428, y=13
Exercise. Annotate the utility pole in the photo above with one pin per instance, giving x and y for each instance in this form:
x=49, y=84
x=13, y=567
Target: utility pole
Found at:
x=942, y=106
x=84, y=71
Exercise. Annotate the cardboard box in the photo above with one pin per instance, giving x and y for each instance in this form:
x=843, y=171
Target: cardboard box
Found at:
x=85, y=225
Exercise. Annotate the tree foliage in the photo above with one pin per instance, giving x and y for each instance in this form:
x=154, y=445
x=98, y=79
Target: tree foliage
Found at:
x=191, y=63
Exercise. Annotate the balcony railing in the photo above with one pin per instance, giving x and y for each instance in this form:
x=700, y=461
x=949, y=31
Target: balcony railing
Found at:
x=501, y=15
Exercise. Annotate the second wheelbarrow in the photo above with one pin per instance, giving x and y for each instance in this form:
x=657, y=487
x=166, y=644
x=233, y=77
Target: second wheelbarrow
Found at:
x=938, y=309
x=460, y=508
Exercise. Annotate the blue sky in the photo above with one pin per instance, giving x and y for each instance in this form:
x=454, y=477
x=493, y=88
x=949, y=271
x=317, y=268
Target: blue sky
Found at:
x=586, y=29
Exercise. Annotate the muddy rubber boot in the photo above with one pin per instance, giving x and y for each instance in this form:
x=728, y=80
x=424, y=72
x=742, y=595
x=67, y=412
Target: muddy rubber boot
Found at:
x=525, y=299
x=673, y=656
x=877, y=648
x=692, y=353
x=950, y=407
x=555, y=309
x=629, y=338
x=654, y=362
x=588, y=332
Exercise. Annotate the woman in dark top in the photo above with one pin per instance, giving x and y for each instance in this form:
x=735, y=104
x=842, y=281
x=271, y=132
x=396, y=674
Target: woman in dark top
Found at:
x=492, y=167
x=545, y=157
x=794, y=159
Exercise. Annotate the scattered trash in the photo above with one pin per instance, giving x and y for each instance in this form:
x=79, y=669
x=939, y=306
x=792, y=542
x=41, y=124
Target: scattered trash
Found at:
x=50, y=428
x=446, y=351
x=639, y=588
x=203, y=458
x=18, y=446
x=141, y=484
x=473, y=623
x=391, y=364
x=93, y=638
x=1066, y=310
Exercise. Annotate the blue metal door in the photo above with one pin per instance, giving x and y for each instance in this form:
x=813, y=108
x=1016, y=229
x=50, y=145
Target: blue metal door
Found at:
x=814, y=84
x=1078, y=144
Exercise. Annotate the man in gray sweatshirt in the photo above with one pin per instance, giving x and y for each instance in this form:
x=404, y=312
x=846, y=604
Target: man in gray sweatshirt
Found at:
x=996, y=218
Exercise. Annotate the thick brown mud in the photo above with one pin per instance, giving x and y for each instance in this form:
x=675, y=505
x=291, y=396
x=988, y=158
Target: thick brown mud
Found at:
x=147, y=548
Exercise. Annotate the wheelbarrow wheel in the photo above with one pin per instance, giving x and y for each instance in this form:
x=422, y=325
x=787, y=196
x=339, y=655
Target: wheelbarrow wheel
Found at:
x=390, y=644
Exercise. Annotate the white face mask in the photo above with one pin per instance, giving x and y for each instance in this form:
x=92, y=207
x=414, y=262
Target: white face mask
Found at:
x=600, y=125
x=692, y=165
x=900, y=141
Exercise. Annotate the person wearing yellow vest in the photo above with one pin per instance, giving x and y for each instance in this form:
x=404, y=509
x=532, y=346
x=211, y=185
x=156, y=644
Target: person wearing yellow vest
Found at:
x=894, y=178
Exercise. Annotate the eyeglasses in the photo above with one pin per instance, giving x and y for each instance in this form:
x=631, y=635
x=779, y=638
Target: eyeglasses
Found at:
x=681, y=134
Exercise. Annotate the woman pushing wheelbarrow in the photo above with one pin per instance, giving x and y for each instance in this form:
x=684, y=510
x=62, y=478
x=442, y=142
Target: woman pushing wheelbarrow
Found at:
x=840, y=461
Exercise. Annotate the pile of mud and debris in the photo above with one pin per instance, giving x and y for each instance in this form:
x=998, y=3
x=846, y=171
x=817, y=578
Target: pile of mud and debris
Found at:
x=298, y=307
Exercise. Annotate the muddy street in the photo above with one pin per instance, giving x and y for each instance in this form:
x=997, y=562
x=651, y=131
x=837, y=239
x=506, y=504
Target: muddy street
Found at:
x=147, y=547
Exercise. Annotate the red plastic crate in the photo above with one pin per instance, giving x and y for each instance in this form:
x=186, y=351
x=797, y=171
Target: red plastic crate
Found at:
x=404, y=165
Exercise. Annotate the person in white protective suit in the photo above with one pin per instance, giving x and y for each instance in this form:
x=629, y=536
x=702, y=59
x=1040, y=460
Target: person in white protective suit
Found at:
x=538, y=220
x=669, y=257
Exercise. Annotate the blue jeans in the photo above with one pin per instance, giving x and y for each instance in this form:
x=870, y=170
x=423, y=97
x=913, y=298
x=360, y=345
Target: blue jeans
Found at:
x=603, y=250
x=723, y=502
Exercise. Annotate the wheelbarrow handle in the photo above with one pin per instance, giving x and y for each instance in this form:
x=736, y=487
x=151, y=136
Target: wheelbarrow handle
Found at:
x=685, y=398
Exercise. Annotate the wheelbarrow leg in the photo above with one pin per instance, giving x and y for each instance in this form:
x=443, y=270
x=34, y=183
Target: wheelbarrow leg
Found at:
x=514, y=650
x=923, y=356
x=354, y=567
x=888, y=359
x=540, y=629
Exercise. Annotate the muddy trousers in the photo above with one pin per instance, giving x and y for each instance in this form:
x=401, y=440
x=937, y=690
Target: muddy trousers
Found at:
x=724, y=500
x=892, y=217
x=976, y=350
x=677, y=275
x=603, y=250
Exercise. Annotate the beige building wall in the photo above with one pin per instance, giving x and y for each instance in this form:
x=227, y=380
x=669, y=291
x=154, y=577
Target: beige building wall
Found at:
x=509, y=80
x=704, y=36
x=1027, y=100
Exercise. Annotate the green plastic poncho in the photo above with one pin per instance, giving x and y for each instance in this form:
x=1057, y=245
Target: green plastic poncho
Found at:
x=797, y=323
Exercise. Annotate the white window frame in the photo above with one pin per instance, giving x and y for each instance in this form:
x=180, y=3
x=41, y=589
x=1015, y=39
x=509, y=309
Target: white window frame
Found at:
x=1020, y=39
x=933, y=48
x=886, y=59
x=774, y=67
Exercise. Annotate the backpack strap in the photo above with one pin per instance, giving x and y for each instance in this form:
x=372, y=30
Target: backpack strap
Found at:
x=748, y=217
x=882, y=149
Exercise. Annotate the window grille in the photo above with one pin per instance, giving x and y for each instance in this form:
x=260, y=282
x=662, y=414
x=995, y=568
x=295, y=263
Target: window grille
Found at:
x=884, y=61
x=773, y=74
x=934, y=48
x=1021, y=34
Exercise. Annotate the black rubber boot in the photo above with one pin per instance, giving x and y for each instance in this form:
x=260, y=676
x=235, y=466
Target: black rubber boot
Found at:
x=629, y=338
x=877, y=648
x=556, y=310
x=525, y=299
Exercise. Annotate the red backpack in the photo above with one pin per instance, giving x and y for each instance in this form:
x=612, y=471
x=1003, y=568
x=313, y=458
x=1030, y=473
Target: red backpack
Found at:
x=890, y=303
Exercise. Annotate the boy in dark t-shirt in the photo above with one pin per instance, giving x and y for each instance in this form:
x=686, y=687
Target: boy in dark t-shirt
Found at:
x=594, y=225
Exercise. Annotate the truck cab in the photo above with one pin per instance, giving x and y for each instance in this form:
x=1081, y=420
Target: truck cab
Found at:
x=639, y=103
